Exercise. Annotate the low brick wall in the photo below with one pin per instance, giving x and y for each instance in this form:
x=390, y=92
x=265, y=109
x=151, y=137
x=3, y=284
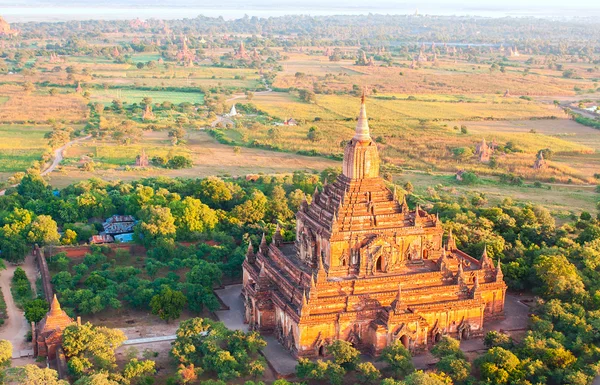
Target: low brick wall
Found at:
x=44, y=272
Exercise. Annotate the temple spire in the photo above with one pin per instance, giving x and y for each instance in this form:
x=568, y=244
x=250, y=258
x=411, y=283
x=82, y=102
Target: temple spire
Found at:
x=397, y=303
x=460, y=276
x=486, y=261
x=499, y=273
x=250, y=253
x=363, y=133
x=277, y=237
x=55, y=306
x=450, y=242
x=263, y=244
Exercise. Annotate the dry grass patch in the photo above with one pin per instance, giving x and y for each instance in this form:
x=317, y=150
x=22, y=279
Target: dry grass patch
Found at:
x=32, y=107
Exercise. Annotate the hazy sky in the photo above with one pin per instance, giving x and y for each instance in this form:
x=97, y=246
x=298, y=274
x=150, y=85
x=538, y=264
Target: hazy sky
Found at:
x=27, y=10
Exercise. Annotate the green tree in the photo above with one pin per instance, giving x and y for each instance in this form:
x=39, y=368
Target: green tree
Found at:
x=459, y=369
x=33, y=375
x=136, y=369
x=558, y=278
x=156, y=223
x=215, y=192
x=314, y=134
x=447, y=346
x=495, y=338
x=367, y=373
x=499, y=366
x=192, y=216
x=89, y=347
x=43, y=231
x=279, y=209
x=168, y=304
x=35, y=310
x=33, y=186
x=421, y=378
x=102, y=378
x=69, y=237
x=252, y=210
x=398, y=358
x=344, y=354
x=5, y=353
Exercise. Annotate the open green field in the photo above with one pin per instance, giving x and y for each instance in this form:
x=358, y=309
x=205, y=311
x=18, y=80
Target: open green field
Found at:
x=4, y=99
x=332, y=107
x=145, y=57
x=21, y=145
x=136, y=96
x=559, y=199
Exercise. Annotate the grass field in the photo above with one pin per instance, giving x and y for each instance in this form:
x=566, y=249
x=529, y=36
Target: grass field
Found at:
x=559, y=199
x=145, y=57
x=23, y=107
x=209, y=157
x=136, y=96
x=446, y=76
x=20, y=146
x=332, y=107
x=419, y=134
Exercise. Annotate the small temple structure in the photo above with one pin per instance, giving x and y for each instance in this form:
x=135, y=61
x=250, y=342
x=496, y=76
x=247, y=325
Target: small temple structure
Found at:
x=142, y=159
x=185, y=55
x=148, y=114
x=47, y=334
x=5, y=29
x=366, y=269
x=540, y=163
x=78, y=89
x=484, y=151
x=233, y=111
x=240, y=53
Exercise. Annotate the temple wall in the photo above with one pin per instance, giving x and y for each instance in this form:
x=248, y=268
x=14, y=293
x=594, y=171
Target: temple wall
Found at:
x=44, y=273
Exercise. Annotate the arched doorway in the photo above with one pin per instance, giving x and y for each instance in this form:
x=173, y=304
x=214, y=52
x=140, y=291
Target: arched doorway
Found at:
x=378, y=268
x=437, y=337
x=404, y=340
x=464, y=334
x=321, y=351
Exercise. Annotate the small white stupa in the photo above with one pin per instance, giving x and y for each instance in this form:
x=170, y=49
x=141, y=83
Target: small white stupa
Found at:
x=233, y=112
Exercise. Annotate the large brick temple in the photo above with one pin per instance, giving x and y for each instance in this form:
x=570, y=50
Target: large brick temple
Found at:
x=366, y=269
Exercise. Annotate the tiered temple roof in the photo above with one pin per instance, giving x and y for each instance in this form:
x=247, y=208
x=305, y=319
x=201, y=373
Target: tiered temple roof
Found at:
x=366, y=268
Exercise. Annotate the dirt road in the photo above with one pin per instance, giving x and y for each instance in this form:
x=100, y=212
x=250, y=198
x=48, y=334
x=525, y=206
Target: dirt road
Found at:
x=58, y=157
x=16, y=327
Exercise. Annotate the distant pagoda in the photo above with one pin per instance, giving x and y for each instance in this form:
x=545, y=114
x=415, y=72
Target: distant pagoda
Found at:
x=540, y=163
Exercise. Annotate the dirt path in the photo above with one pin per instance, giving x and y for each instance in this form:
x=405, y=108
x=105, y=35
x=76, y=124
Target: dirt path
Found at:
x=58, y=157
x=16, y=327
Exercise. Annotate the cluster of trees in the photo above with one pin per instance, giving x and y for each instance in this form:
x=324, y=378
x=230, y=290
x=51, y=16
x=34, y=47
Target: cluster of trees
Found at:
x=180, y=277
x=203, y=345
x=90, y=351
x=346, y=360
x=169, y=210
x=559, y=263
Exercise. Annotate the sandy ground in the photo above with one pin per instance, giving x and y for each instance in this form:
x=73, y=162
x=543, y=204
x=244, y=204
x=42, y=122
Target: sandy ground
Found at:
x=16, y=327
x=210, y=158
